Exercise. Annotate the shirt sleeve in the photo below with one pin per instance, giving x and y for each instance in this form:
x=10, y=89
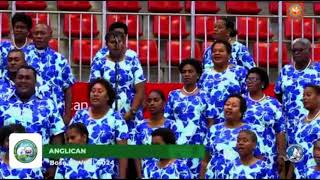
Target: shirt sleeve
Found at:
x=96, y=66
x=65, y=74
x=207, y=58
x=246, y=59
x=56, y=122
x=138, y=71
x=242, y=80
x=121, y=128
x=280, y=123
x=278, y=84
x=168, y=111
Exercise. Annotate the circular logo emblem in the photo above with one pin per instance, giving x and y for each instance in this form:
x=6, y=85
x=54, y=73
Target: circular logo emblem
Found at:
x=295, y=153
x=25, y=151
x=295, y=11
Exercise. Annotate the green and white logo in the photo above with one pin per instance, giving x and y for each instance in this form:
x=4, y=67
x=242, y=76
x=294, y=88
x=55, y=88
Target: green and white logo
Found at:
x=25, y=151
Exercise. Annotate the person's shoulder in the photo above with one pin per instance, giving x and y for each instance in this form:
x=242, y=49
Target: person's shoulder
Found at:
x=131, y=53
x=316, y=65
x=5, y=43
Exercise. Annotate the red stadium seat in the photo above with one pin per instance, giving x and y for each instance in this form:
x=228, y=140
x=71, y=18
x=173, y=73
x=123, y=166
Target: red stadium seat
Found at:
x=85, y=50
x=185, y=51
x=316, y=8
x=4, y=5
x=132, y=23
x=73, y=5
x=206, y=7
x=38, y=18
x=5, y=26
x=143, y=51
x=273, y=7
x=175, y=24
x=273, y=54
x=200, y=24
x=316, y=52
x=80, y=99
x=242, y=7
x=75, y=25
x=252, y=28
x=164, y=6
x=31, y=5
x=164, y=87
x=53, y=43
x=123, y=6
x=270, y=90
x=297, y=30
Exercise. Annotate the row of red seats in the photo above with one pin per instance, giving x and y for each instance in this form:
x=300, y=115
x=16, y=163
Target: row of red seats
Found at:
x=80, y=93
x=232, y=7
x=259, y=51
x=202, y=23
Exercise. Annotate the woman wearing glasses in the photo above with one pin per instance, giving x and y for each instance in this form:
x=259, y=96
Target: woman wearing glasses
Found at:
x=266, y=112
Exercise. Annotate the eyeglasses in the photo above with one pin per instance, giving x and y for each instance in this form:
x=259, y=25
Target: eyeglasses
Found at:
x=252, y=79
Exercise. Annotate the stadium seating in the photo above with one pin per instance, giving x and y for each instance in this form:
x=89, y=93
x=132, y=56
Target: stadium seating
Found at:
x=53, y=43
x=38, y=18
x=242, y=7
x=73, y=5
x=201, y=24
x=123, y=6
x=297, y=29
x=31, y=5
x=185, y=51
x=206, y=7
x=5, y=26
x=316, y=52
x=164, y=6
x=273, y=7
x=175, y=24
x=261, y=58
x=143, y=51
x=132, y=23
x=252, y=28
x=316, y=8
x=85, y=50
x=75, y=25
x=4, y=5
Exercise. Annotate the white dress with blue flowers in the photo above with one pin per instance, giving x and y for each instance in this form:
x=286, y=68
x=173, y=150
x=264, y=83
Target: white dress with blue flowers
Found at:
x=175, y=170
x=290, y=84
x=190, y=114
x=312, y=173
x=106, y=130
x=8, y=173
x=239, y=56
x=130, y=73
x=258, y=170
x=142, y=135
x=266, y=113
x=221, y=143
x=305, y=134
x=54, y=70
x=220, y=85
